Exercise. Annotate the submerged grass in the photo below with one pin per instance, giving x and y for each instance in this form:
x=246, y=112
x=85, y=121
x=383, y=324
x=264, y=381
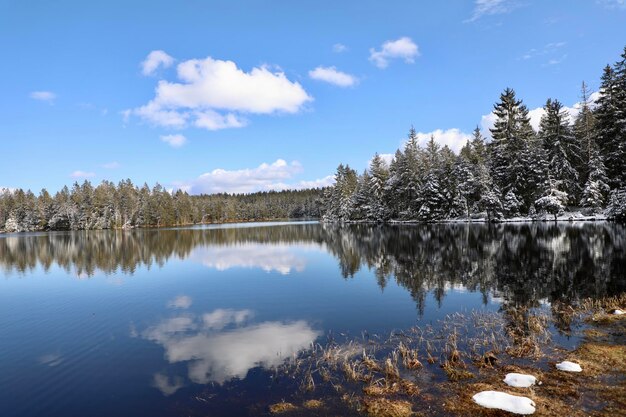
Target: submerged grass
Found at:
x=439, y=368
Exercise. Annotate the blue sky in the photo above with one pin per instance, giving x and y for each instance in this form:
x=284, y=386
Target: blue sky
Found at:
x=239, y=96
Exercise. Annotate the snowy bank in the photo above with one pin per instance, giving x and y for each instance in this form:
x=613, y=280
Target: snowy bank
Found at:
x=569, y=366
x=506, y=402
x=519, y=380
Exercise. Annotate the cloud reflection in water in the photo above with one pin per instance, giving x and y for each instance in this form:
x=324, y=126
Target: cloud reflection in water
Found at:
x=219, y=345
x=281, y=258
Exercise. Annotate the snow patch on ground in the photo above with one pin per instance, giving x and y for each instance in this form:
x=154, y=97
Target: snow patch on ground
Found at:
x=503, y=401
x=618, y=311
x=569, y=366
x=519, y=380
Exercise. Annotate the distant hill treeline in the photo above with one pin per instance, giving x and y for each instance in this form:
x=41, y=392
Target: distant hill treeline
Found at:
x=519, y=172
x=109, y=206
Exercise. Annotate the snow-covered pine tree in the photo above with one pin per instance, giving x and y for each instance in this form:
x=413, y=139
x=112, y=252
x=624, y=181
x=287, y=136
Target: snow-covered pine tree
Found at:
x=553, y=202
x=432, y=198
x=362, y=201
x=584, y=133
x=561, y=148
x=393, y=185
x=379, y=175
x=616, y=209
x=410, y=180
x=463, y=173
x=596, y=188
x=511, y=204
x=510, y=151
x=610, y=123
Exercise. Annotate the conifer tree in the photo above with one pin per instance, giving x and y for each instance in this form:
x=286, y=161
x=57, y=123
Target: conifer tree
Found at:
x=561, y=148
x=596, y=188
x=584, y=133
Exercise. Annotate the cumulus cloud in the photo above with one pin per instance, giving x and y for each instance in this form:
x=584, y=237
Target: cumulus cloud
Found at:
x=333, y=76
x=214, y=94
x=47, y=96
x=111, y=165
x=154, y=60
x=82, y=174
x=175, y=141
x=317, y=183
x=491, y=7
x=265, y=177
x=213, y=354
x=339, y=48
x=403, y=48
x=277, y=176
x=454, y=138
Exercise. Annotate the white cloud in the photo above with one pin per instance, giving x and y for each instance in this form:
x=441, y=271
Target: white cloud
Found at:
x=82, y=174
x=265, y=177
x=212, y=120
x=403, y=48
x=280, y=258
x=209, y=86
x=111, y=165
x=175, y=141
x=276, y=176
x=339, y=48
x=220, y=318
x=333, y=76
x=47, y=96
x=454, y=138
x=317, y=183
x=213, y=354
x=154, y=60
x=491, y=7
x=181, y=301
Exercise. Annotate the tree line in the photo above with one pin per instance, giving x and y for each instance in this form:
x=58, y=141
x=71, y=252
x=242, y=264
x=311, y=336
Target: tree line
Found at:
x=520, y=172
x=110, y=206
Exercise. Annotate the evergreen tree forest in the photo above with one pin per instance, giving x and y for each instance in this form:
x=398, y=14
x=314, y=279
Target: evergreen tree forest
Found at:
x=110, y=206
x=576, y=165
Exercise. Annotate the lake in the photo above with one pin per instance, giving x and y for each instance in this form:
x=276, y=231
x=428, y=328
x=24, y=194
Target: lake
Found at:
x=191, y=321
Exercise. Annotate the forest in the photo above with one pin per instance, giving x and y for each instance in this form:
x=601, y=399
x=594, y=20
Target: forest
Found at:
x=110, y=206
x=568, y=165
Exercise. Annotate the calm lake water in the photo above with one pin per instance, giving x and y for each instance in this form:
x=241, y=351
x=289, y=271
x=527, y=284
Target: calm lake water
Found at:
x=140, y=323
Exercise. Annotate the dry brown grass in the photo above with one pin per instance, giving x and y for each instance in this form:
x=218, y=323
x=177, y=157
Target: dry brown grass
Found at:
x=282, y=407
x=313, y=404
x=382, y=407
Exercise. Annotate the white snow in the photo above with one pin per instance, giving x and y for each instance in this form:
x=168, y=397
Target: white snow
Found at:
x=519, y=380
x=503, y=401
x=618, y=311
x=569, y=366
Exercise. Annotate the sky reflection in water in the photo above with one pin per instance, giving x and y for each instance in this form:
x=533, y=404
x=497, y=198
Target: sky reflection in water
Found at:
x=211, y=305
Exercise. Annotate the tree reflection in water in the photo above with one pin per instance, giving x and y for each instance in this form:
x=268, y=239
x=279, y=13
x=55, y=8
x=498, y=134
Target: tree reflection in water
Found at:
x=520, y=263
